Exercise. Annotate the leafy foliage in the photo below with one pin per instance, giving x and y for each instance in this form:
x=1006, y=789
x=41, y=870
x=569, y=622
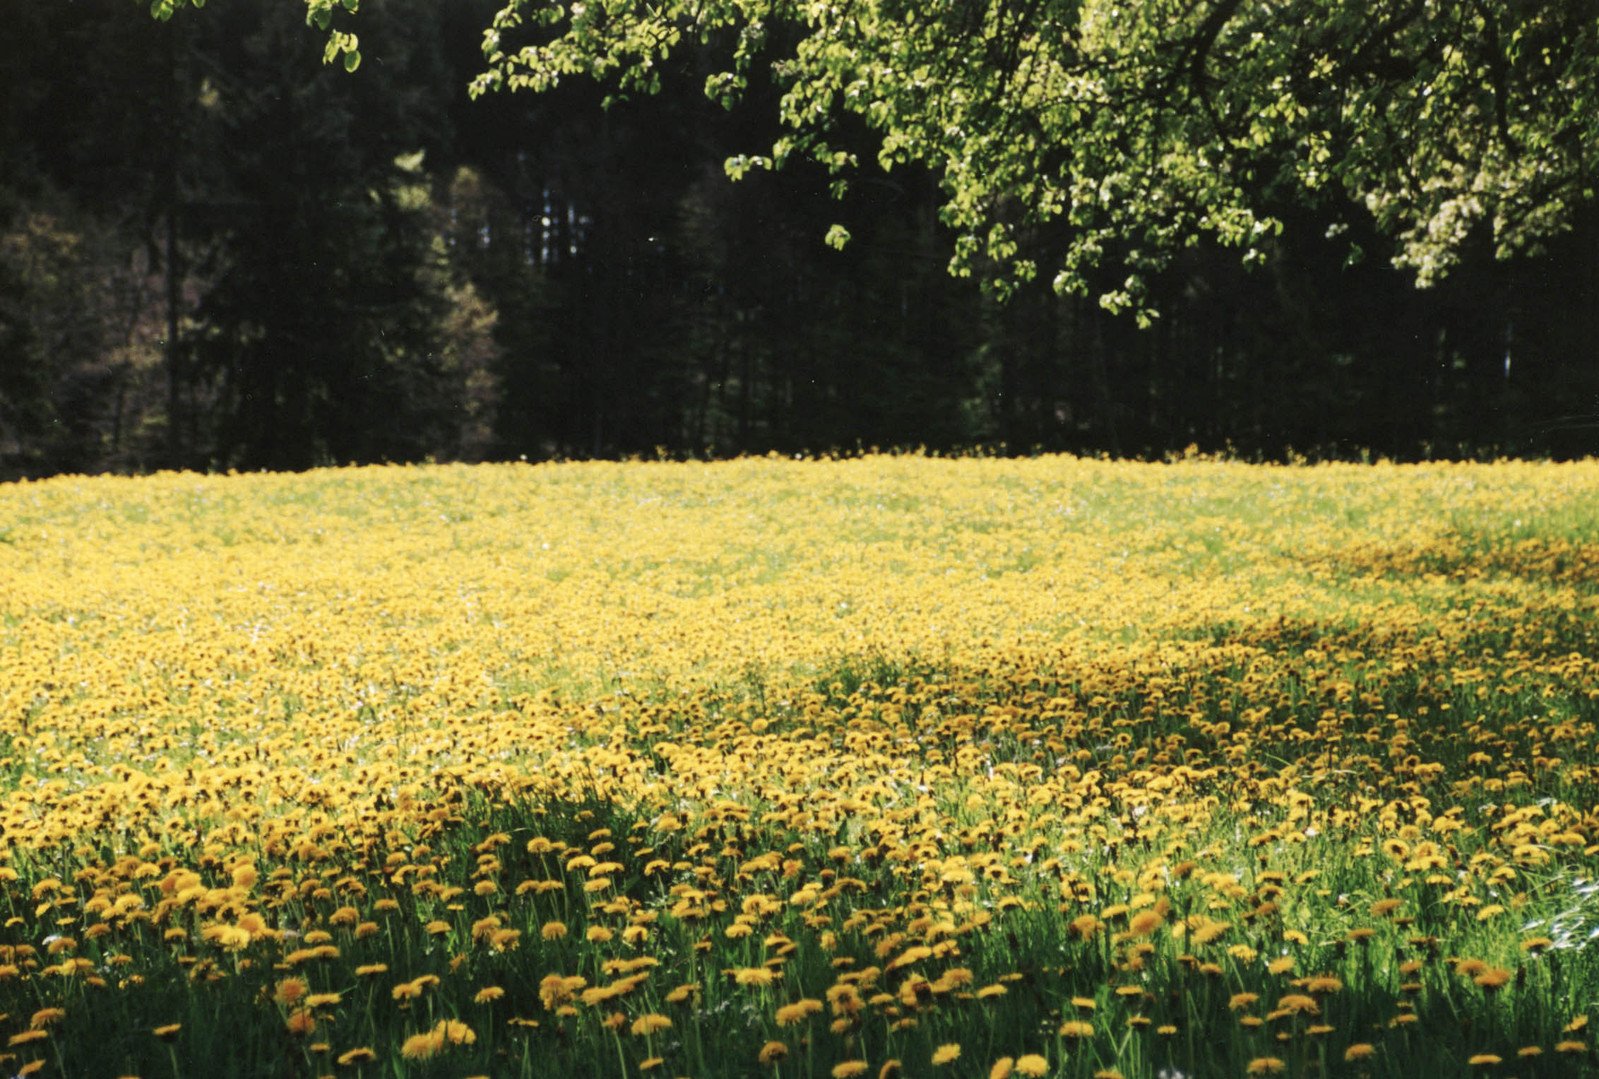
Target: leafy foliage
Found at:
x=1141, y=126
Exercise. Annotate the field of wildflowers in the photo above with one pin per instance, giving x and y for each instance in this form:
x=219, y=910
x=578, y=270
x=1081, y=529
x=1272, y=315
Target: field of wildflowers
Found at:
x=894, y=765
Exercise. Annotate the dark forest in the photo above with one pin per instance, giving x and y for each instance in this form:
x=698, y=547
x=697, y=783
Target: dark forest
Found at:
x=217, y=252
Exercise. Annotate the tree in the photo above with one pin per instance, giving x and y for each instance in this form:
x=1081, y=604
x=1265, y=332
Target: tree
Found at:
x=1141, y=125
x=1118, y=132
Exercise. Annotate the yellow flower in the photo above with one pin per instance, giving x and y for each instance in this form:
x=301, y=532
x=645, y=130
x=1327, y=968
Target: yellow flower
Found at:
x=422, y=1046
x=1266, y=1066
x=455, y=1032
x=649, y=1024
x=1002, y=1068
x=553, y=930
x=1077, y=1028
x=1299, y=1003
x=798, y=1012
x=290, y=991
x=1359, y=1051
x=772, y=1052
x=1144, y=923
x=361, y=1055
x=1032, y=1065
x=1484, y=1060
x=46, y=1016
x=1493, y=978
x=849, y=1069
x=946, y=1053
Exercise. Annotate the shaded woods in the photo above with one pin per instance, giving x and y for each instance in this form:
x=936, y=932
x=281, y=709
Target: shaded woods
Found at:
x=215, y=252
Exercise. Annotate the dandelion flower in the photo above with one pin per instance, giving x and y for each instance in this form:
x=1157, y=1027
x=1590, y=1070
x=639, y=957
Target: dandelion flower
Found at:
x=1493, y=978
x=1144, y=923
x=797, y=1012
x=652, y=1023
x=421, y=1046
x=1298, y=1003
x=290, y=991
x=1032, y=1065
x=946, y=1054
x=46, y=1016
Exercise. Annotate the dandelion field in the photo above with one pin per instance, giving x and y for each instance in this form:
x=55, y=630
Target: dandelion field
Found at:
x=824, y=768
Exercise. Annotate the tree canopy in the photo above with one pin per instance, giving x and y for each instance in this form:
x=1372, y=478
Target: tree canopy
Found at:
x=1070, y=134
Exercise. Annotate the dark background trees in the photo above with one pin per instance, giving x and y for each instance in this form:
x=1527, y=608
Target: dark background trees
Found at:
x=216, y=252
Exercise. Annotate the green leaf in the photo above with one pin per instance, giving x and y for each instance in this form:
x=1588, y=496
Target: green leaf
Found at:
x=351, y=5
x=837, y=236
x=352, y=60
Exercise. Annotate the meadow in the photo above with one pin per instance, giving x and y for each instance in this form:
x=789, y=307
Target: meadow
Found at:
x=891, y=765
